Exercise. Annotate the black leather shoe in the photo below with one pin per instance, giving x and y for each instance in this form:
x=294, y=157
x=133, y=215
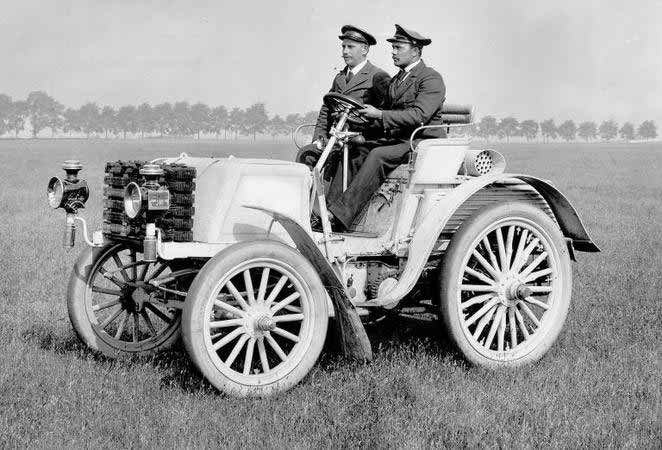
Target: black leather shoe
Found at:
x=316, y=222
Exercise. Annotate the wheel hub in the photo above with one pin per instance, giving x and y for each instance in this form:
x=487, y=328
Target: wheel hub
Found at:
x=139, y=297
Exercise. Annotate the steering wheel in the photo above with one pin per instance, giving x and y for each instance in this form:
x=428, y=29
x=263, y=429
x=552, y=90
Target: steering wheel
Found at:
x=340, y=103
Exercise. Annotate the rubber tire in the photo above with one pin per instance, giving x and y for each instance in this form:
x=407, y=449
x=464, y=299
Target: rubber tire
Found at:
x=78, y=312
x=453, y=261
x=206, y=282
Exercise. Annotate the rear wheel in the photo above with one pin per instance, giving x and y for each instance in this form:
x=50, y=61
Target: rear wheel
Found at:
x=505, y=285
x=255, y=319
x=112, y=306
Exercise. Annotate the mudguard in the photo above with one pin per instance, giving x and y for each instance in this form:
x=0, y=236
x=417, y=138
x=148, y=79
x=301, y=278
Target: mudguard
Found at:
x=353, y=337
x=426, y=234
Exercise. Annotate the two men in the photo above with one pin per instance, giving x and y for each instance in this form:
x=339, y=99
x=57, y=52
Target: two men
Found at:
x=359, y=79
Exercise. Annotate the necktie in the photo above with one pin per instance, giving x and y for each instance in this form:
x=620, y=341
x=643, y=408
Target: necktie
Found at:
x=349, y=76
x=400, y=76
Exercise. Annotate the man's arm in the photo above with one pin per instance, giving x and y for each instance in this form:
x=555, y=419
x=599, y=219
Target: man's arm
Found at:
x=322, y=125
x=380, y=83
x=429, y=99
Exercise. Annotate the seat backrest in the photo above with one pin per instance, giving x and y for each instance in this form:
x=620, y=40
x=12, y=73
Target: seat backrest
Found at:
x=457, y=114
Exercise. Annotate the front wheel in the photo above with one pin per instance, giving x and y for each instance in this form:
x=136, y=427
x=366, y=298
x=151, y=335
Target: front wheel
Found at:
x=505, y=285
x=255, y=319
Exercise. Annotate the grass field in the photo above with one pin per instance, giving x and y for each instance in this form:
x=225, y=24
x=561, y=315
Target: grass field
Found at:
x=598, y=386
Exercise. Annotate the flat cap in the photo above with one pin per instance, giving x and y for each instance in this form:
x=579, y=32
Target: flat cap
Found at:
x=409, y=36
x=356, y=34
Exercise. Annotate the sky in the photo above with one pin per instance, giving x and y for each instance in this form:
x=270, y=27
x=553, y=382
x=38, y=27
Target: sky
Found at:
x=580, y=60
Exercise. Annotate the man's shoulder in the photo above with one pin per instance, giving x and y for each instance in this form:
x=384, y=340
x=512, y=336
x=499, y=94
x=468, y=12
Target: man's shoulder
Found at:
x=374, y=70
x=427, y=71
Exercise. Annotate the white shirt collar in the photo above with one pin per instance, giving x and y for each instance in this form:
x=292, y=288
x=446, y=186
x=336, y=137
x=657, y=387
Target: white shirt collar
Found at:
x=412, y=65
x=357, y=68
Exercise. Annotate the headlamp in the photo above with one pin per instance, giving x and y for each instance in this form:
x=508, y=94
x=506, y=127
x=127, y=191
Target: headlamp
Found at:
x=150, y=197
x=69, y=193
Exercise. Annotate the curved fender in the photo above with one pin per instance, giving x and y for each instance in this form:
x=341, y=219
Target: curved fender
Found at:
x=353, y=337
x=426, y=234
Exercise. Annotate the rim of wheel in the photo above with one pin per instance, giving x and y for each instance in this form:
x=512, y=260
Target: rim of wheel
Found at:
x=509, y=289
x=122, y=307
x=258, y=322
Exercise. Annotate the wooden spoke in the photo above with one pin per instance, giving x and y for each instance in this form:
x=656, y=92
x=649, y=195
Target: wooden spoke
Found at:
x=263, y=355
x=517, y=265
x=228, y=338
x=226, y=323
x=286, y=301
x=103, y=290
x=484, y=321
x=143, y=271
x=249, y=287
x=111, y=317
x=540, y=289
x=478, y=314
x=288, y=318
x=157, y=272
x=520, y=246
x=248, y=361
x=111, y=277
x=476, y=300
x=134, y=269
x=533, y=301
x=231, y=309
x=534, y=264
x=522, y=325
x=136, y=327
x=294, y=309
x=483, y=262
x=509, y=246
x=105, y=305
x=478, y=275
x=262, y=291
x=496, y=322
x=118, y=263
x=276, y=290
x=535, y=275
x=477, y=288
x=274, y=345
x=148, y=321
x=160, y=314
x=502, y=250
x=236, y=349
x=285, y=334
x=513, y=327
x=490, y=253
x=502, y=331
x=529, y=313
x=237, y=295
x=120, y=327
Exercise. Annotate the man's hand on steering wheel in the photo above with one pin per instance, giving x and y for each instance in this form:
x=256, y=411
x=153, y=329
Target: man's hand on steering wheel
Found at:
x=370, y=112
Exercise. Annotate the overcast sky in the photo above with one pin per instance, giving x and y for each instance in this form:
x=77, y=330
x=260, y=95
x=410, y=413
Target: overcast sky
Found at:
x=580, y=59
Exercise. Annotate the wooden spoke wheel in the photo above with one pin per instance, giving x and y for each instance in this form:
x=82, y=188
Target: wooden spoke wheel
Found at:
x=255, y=319
x=112, y=307
x=505, y=285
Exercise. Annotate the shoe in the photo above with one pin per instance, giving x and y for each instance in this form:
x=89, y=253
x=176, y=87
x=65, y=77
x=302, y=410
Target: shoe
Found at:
x=316, y=222
x=336, y=225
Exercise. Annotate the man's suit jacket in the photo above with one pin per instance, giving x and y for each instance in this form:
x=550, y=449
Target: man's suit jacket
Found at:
x=369, y=86
x=414, y=102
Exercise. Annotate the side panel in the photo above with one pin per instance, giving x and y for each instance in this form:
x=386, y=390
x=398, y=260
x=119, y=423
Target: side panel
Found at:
x=428, y=230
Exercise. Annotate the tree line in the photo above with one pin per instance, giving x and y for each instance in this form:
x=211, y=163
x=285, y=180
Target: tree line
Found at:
x=40, y=111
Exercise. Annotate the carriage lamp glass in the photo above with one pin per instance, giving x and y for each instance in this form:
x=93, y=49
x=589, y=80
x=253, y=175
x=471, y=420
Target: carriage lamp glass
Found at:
x=69, y=193
x=55, y=192
x=133, y=200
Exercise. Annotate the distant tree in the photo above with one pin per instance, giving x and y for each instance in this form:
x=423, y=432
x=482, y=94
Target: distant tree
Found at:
x=236, y=121
x=509, y=127
x=72, y=121
x=310, y=117
x=548, y=130
x=276, y=126
x=293, y=120
x=487, y=127
x=181, y=112
x=5, y=110
x=145, y=122
x=44, y=111
x=647, y=130
x=90, y=119
x=163, y=118
x=200, y=118
x=529, y=129
x=127, y=120
x=108, y=120
x=627, y=132
x=256, y=119
x=16, y=117
x=219, y=120
x=568, y=130
x=608, y=130
x=587, y=130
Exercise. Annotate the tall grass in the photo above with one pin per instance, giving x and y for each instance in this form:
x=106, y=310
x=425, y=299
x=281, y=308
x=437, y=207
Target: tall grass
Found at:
x=598, y=386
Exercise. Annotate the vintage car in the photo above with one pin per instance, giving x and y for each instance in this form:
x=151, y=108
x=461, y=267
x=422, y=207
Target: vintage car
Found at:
x=221, y=252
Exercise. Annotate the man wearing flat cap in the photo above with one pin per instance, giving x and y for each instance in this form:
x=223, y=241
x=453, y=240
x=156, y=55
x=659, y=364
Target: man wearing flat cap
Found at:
x=415, y=97
x=359, y=79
